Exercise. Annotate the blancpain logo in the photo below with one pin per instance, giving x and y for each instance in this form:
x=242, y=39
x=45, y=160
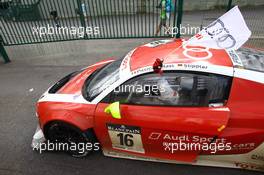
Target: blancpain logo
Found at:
x=123, y=128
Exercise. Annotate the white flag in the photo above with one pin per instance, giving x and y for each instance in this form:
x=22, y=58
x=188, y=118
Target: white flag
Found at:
x=229, y=32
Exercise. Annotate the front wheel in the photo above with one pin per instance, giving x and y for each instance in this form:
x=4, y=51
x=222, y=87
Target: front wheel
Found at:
x=69, y=138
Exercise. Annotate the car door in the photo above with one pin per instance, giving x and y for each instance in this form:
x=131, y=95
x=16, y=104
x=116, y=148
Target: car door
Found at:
x=162, y=115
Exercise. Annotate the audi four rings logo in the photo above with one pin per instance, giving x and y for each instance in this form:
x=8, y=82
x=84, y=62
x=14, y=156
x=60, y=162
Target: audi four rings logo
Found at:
x=223, y=37
x=193, y=49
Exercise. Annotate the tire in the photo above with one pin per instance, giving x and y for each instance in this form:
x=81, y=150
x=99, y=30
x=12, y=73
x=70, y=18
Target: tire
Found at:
x=60, y=132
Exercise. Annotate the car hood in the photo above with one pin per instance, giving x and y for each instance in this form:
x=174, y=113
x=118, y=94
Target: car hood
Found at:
x=74, y=86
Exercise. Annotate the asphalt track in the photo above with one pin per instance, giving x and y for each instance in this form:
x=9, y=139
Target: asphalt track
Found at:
x=21, y=84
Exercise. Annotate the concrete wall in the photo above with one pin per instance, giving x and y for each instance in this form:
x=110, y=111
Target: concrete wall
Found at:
x=82, y=52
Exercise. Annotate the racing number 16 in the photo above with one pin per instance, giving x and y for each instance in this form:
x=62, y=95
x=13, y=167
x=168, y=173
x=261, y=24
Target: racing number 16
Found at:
x=125, y=139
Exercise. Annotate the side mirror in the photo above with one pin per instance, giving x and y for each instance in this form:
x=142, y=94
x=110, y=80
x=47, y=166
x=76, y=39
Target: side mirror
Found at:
x=114, y=110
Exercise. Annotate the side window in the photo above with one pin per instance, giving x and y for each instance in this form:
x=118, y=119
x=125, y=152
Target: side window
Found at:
x=173, y=89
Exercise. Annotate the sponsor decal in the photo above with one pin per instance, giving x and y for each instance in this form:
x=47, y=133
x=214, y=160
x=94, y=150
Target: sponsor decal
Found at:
x=168, y=66
x=76, y=96
x=125, y=64
x=171, y=67
x=154, y=136
x=124, y=137
x=244, y=146
x=195, y=66
x=257, y=157
x=249, y=166
x=142, y=70
x=158, y=43
x=185, y=137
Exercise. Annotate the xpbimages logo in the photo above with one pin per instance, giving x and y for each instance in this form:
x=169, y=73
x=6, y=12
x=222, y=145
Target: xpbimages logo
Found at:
x=146, y=89
x=71, y=146
x=63, y=30
x=182, y=146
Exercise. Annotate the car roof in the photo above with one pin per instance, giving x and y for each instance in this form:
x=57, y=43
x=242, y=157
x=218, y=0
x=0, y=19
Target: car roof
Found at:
x=177, y=51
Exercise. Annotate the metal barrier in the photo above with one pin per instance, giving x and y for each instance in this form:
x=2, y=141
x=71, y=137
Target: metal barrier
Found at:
x=102, y=19
x=3, y=51
x=40, y=21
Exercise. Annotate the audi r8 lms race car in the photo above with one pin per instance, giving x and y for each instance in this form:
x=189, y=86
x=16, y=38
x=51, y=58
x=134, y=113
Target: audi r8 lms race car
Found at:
x=176, y=101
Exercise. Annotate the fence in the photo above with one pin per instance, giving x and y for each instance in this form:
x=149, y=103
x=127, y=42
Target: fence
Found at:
x=103, y=19
x=40, y=21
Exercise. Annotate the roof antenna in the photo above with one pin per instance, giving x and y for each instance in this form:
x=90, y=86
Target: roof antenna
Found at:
x=157, y=66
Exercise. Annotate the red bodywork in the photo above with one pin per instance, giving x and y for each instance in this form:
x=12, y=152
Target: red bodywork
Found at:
x=240, y=121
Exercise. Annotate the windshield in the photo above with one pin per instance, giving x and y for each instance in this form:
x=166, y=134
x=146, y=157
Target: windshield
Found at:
x=103, y=79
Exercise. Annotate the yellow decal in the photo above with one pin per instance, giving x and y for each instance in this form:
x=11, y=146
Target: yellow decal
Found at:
x=114, y=110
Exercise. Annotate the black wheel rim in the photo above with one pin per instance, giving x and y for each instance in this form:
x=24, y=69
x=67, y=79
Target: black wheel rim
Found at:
x=61, y=133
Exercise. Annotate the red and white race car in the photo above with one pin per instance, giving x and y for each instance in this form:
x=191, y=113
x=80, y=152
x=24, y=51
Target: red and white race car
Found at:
x=164, y=101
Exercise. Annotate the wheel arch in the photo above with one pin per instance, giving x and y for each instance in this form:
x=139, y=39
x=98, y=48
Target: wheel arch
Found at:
x=89, y=132
x=75, y=119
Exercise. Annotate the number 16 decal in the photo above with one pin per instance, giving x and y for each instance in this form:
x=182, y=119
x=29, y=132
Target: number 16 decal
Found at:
x=125, y=137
